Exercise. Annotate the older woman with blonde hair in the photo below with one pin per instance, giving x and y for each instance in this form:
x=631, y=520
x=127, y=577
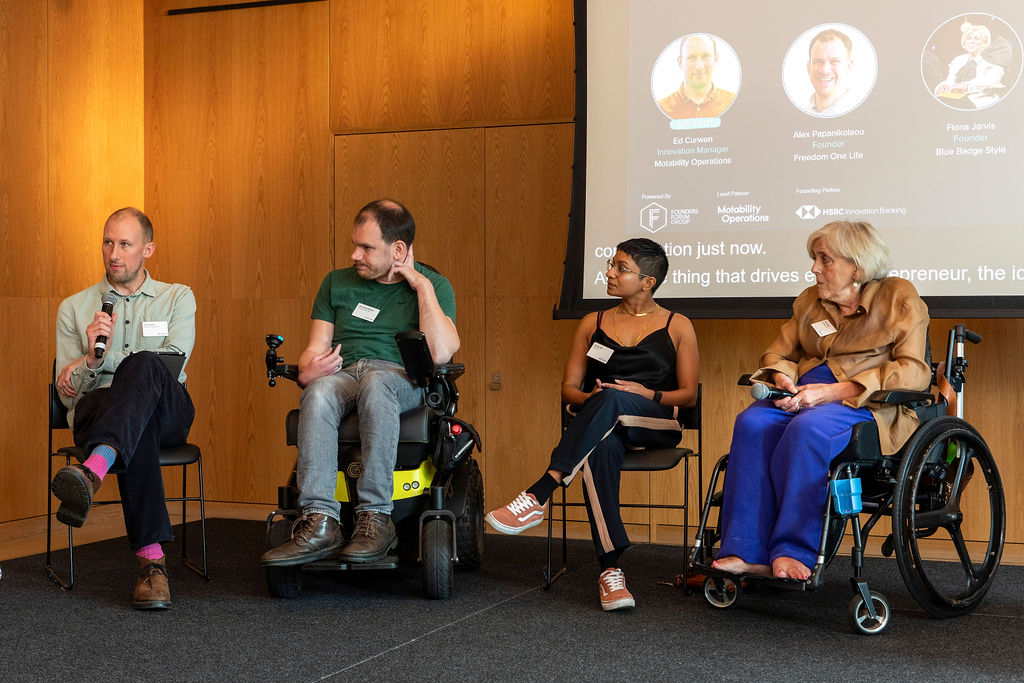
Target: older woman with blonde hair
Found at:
x=855, y=331
x=971, y=74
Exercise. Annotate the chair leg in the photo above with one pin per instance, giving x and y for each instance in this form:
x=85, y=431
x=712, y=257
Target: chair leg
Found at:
x=204, y=570
x=50, y=571
x=549, y=577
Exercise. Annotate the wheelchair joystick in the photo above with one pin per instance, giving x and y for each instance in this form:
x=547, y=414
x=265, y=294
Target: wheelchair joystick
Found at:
x=273, y=360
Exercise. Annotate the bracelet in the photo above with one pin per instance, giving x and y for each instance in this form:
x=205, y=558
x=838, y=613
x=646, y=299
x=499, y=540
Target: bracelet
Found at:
x=657, y=397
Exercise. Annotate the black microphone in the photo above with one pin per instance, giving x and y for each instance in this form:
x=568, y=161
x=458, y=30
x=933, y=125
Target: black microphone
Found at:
x=108, y=307
x=761, y=391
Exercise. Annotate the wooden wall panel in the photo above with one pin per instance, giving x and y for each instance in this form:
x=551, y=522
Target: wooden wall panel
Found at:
x=238, y=165
x=448, y=63
x=529, y=173
x=25, y=263
x=95, y=142
x=439, y=177
x=24, y=230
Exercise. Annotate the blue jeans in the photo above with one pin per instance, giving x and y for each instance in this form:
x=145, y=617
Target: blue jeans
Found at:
x=379, y=391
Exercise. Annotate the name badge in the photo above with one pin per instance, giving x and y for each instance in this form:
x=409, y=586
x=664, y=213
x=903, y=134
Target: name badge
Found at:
x=599, y=352
x=824, y=328
x=157, y=328
x=367, y=313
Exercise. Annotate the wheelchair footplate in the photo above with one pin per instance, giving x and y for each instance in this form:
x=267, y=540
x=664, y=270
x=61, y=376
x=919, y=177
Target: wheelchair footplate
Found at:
x=389, y=561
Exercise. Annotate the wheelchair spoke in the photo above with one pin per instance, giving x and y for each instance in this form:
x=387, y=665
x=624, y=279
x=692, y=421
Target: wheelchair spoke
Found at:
x=965, y=558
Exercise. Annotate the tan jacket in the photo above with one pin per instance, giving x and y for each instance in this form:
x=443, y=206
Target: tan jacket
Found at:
x=881, y=346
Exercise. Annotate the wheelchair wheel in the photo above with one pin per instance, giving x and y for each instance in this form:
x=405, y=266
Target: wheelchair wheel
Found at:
x=935, y=487
x=282, y=582
x=861, y=619
x=437, y=559
x=469, y=527
x=721, y=592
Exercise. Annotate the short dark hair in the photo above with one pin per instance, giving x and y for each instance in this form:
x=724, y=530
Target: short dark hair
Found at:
x=143, y=219
x=828, y=35
x=649, y=257
x=392, y=217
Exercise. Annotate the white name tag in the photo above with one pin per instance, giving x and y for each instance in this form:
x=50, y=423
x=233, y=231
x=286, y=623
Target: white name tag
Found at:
x=367, y=313
x=824, y=328
x=599, y=352
x=157, y=328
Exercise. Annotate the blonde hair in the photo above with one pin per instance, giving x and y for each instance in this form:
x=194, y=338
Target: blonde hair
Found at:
x=967, y=28
x=855, y=241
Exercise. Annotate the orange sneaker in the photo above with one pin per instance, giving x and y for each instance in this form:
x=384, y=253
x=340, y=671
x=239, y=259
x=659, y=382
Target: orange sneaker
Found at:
x=612, y=589
x=521, y=514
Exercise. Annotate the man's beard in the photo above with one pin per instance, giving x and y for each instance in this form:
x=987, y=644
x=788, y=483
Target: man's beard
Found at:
x=123, y=279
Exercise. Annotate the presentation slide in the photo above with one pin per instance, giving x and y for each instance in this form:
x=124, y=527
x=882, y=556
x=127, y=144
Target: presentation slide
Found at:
x=729, y=131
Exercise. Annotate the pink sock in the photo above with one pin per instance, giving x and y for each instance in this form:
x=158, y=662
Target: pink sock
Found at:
x=97, y=464
x=153, y=551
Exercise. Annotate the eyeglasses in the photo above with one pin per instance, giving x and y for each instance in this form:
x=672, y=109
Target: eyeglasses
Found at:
x=621, y=269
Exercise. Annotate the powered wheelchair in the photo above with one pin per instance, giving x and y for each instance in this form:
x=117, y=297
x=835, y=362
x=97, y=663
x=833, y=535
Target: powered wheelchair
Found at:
x=438, y=495
x=941, y=488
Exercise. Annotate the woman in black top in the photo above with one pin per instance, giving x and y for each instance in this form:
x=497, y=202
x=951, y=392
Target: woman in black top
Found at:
x=629, y=371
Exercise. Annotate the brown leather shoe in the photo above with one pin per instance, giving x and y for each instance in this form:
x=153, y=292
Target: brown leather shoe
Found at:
x=75, y=486
x=373, y=538
x=152, y=591
x=314, y=537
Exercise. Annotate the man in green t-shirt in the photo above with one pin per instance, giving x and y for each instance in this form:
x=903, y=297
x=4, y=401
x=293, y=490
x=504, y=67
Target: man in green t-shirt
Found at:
x=352, y=363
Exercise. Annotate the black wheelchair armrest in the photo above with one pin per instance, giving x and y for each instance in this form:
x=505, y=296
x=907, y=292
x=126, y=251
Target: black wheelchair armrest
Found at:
x=901, y=396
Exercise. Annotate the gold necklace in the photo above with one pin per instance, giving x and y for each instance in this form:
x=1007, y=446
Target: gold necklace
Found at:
x=638, y=315
x=615, y=328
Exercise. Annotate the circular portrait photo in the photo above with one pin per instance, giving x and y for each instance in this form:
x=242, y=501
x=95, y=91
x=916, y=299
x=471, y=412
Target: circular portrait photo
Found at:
x=972, y=61
x=696, y=76
x=829, y=70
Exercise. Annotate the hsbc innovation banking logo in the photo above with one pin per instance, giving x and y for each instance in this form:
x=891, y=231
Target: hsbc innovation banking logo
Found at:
x=808, y=212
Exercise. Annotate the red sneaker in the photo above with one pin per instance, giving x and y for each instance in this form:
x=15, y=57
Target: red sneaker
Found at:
x=521, y=514
x=612, y=589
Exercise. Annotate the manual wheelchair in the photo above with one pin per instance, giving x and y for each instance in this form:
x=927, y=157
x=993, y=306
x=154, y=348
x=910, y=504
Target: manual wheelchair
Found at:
x=438, y=495
x=944, y=470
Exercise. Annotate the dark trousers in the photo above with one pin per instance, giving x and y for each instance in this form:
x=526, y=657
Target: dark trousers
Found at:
x=594, y=444
x=143, y=409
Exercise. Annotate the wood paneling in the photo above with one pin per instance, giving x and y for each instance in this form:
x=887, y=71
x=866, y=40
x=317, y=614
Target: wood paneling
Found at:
x=414, y=64
x=25, y=263
x=238, y=161
x=95, y=140
x=439, y=177
x=24, y=231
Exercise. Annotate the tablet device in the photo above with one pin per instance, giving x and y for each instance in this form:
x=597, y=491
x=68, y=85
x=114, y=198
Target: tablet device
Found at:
x=174, y=361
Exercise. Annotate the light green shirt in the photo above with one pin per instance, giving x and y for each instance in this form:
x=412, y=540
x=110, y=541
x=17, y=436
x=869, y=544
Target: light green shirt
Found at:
x=141, y=319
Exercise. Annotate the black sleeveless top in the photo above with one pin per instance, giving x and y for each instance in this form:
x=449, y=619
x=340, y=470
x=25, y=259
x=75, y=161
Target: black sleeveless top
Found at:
x=652, y=362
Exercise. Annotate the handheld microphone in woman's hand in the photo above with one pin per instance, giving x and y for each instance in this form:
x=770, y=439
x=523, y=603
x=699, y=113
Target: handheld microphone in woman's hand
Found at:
x=762, y=391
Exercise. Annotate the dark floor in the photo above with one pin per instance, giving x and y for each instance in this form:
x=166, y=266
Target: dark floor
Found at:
x=499, y=625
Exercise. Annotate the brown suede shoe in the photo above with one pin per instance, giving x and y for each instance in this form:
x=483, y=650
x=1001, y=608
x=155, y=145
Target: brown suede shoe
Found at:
x=314, y=537
x=75, y=486
x=373, y=538
x=152, y=591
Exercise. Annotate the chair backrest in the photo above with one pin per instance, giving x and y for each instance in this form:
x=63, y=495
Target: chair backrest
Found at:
x=57, y=410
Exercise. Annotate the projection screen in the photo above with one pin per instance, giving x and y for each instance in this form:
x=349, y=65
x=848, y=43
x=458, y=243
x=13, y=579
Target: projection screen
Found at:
x=729, y=131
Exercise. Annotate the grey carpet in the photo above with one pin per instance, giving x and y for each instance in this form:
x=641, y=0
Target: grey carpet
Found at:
x=499, y=625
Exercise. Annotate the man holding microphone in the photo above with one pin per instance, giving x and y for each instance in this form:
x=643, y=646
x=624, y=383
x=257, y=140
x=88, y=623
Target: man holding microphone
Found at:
x=123, y=404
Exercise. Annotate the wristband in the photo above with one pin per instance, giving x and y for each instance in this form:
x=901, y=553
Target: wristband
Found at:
x=657, y=397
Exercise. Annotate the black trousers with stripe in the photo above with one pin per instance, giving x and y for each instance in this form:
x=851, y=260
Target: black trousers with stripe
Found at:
x=594, y=445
